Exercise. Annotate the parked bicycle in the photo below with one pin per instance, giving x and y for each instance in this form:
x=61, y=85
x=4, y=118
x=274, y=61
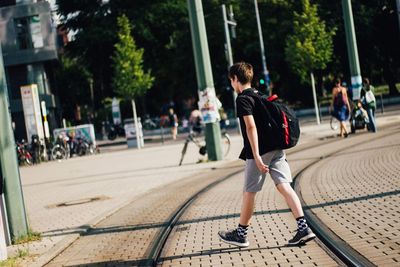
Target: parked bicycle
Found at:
x=60, y=148
x=193, y=137
x=23, y=154
x=115, y=130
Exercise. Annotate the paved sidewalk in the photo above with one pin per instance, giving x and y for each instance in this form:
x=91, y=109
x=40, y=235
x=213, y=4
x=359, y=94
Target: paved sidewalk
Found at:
x=63, y=199
x=356, y=194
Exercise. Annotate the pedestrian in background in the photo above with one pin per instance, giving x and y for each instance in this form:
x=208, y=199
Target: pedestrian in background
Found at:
x=173, y=123
x=340, y=106
x=369, y=103
x=261, y=158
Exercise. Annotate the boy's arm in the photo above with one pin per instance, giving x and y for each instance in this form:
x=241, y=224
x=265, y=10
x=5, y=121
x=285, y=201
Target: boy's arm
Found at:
x=251, y=131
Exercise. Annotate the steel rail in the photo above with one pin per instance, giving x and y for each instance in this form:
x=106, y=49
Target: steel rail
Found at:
x=340, y=248
x=153, y=258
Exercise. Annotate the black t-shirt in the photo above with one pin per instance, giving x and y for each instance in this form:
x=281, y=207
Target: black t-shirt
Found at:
x=247, y=103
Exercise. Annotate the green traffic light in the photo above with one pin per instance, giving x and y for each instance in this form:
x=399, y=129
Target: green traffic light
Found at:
x=262, y=81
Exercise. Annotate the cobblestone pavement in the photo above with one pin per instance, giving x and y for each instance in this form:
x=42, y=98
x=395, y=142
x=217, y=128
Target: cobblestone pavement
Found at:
x=356, y=193
x=195, y=241
x=124, y=238
x=78, y=184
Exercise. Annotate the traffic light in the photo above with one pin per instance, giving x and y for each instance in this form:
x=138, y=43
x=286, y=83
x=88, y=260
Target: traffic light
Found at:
x=262, y=87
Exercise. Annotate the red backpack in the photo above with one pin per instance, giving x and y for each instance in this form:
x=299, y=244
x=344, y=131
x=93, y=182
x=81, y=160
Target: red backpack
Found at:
x=283, y=122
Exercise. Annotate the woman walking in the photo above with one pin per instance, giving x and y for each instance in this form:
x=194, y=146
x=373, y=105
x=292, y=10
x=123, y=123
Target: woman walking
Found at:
x=340, y=106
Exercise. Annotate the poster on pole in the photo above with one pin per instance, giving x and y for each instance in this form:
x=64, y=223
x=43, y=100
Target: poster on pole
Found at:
x=209, y=105
x=31, y=108
x=116, y=112
x=36, y=31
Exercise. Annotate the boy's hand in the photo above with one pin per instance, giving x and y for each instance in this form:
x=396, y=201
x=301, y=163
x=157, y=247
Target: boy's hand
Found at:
x=260, y=165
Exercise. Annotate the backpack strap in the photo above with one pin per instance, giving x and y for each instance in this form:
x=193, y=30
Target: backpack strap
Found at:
x=265, y=102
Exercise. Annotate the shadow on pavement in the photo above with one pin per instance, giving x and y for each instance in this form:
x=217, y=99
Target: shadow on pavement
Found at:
x=117, y=229
x=221, y=251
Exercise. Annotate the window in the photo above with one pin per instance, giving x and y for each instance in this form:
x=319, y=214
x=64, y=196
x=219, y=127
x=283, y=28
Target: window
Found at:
x=29, y=33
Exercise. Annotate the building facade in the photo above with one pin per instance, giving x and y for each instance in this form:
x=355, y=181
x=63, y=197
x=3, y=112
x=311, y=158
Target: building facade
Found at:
x=28, y=39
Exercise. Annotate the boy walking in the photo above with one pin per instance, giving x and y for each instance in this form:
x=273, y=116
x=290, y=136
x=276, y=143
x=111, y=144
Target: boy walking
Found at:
x=261, y=157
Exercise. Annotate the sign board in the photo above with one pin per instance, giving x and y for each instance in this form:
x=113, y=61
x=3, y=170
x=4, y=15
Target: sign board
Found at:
x=209, y=105
x=130, y=129
x=36, y=31
x=130, y=133
x=85, y=131
x=116, y=112
x=31, y=108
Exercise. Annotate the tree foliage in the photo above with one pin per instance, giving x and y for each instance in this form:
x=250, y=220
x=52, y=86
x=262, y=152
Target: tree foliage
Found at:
x=310, y=47
x=162, y=29
x=129, y=80
x=73, y=84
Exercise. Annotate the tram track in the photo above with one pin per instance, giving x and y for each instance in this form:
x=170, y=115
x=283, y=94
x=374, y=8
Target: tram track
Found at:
x=156, y=245
x=337, y=246
x=333, y=244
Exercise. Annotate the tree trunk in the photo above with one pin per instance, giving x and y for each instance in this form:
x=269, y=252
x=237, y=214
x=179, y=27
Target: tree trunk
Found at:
x=315, y=99
x=138, y=144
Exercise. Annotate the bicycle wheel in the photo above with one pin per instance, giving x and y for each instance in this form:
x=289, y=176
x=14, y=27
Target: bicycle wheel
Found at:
x=334, y=123
x=226, y=144
x=184, y=151
x=58, y=153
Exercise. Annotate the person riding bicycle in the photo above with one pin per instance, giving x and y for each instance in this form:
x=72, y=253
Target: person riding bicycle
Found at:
x=196, y=121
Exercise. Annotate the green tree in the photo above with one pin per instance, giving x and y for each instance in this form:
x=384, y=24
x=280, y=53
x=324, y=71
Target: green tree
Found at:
x=129, y=79
x=310, y=46
x=73, y=84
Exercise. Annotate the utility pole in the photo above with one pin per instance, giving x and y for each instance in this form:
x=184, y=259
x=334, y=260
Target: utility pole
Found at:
x=263, y=58
x=398, y=11
x=356, y=81
x=9, y=166
x=231, y=22
x=205, y=81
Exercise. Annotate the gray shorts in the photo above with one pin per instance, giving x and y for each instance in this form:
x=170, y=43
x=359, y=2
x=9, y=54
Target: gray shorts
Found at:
x=278, y=169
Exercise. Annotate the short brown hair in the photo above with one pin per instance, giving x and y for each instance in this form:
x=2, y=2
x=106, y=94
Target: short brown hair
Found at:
x=243, y=71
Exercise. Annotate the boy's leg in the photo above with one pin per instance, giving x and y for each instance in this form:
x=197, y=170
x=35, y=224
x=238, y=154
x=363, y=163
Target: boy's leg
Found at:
x=254, y=181
x=238, y=236
x=281, y=174
x=291, y=198
x=247, y=207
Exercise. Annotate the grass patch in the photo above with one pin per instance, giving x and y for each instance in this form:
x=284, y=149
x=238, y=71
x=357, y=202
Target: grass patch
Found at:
x=13, y=261
x=31, y=236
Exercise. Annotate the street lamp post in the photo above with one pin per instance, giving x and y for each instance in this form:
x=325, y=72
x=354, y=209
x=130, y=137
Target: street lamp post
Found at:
x=228, y=46
x=9, y=166
x=351, y=41
x=263, y=58
x=205, y=81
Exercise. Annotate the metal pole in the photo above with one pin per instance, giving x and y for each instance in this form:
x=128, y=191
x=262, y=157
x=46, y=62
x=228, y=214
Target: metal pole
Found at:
x=263, y=58
x=228, y=49
x=227, y=37
x=204, y=73
x=229, y=52
x=356, y=81
x=9, y=166
x=398, y=11
x=315, y=99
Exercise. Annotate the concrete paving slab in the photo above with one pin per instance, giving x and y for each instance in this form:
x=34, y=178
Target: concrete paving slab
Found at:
x=113, y=180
